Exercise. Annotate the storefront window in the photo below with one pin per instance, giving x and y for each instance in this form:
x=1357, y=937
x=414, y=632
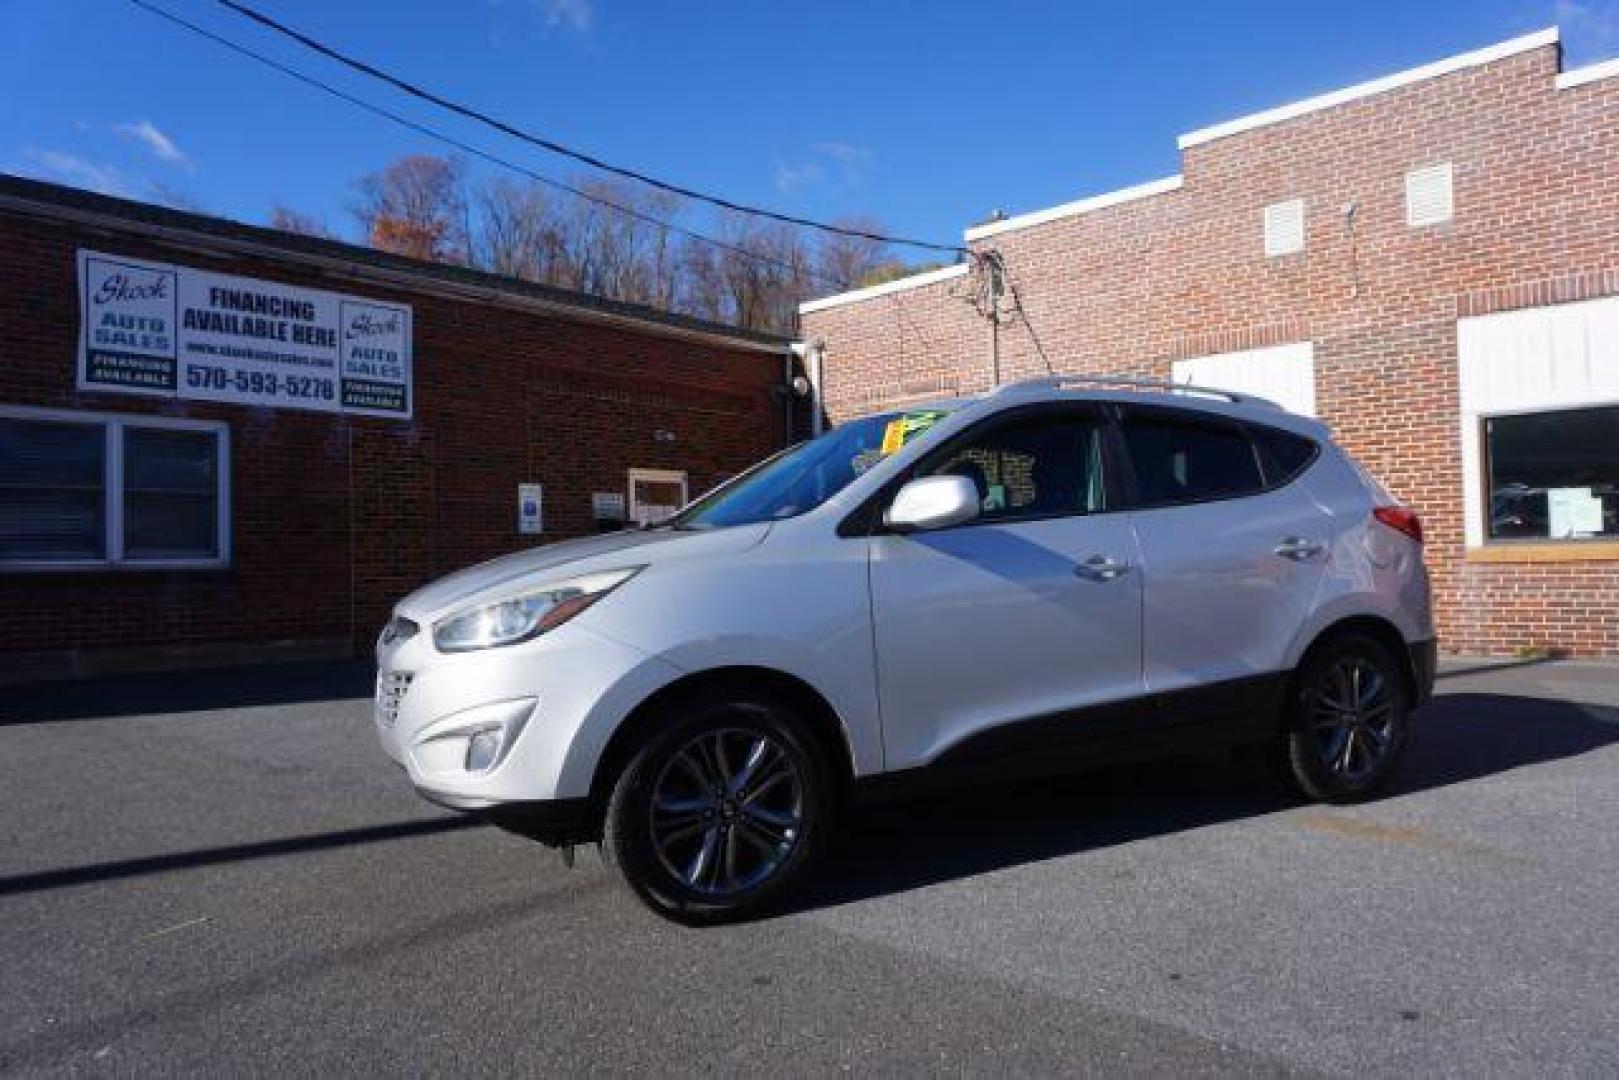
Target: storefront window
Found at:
x=1554, y=475
x=52, y=491
x=170, y=494
x=88, y=490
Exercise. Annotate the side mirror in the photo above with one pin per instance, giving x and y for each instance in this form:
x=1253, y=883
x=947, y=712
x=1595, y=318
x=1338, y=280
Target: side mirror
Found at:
x=933, y=502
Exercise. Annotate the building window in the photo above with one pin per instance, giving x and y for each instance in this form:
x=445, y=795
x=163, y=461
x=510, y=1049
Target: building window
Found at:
x=1554, y=475
x=90, y=490
x=655, y=495
x=1284, y=228
x=1428, y=195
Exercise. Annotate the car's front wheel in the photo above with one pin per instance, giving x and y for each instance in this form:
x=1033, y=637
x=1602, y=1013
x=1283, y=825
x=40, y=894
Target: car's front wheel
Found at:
x=721, y=812
x=1347, y=723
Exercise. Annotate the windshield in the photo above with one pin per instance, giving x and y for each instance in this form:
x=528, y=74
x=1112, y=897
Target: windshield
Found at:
x=802, y=477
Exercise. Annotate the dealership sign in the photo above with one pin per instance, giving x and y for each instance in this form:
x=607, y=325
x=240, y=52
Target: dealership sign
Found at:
x=152, y=328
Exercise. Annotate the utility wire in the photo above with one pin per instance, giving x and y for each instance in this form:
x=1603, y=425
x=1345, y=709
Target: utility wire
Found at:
x=466, y=148
x=557, y=148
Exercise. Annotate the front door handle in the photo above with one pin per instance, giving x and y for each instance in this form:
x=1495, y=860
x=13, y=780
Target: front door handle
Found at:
x=1101, y=568
x=1298, y=548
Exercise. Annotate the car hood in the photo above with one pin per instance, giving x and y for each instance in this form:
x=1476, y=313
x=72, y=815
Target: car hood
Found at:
x=571, y=557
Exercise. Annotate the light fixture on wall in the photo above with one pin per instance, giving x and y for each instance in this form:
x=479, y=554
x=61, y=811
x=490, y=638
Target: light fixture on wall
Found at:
x=663, y=435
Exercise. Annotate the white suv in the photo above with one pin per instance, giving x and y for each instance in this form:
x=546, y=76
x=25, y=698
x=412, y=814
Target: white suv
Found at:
x=1065, y=572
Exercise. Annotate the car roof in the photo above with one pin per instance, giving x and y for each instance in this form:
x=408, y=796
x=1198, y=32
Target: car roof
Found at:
x=1127, y=390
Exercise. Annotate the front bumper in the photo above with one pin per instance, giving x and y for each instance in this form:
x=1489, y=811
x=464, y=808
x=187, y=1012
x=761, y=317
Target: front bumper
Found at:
x=522, y=724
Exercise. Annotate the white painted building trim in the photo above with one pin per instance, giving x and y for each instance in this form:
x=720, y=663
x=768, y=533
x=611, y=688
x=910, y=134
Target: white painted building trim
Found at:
x=1607, y=69
x=871, y=292
x=1070, y=209
x=1501, y=51
x=1284, y=374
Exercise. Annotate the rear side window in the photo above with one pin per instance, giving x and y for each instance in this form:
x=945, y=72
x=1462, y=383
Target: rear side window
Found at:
x=1283, y=454
x=1181, y=460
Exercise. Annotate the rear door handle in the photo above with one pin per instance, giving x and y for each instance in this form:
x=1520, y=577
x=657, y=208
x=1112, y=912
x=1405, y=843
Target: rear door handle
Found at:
x=1298, y=548
x=1101, y=568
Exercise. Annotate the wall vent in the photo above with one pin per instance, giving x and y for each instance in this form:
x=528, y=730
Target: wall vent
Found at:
x=1428, y=195
x=1284, y=227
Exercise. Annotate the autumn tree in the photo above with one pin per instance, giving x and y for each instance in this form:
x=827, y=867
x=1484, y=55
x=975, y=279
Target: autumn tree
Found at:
x=416, y=206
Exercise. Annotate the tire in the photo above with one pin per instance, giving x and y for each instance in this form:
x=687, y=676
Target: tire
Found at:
x=722, y=812
x=1346, y=723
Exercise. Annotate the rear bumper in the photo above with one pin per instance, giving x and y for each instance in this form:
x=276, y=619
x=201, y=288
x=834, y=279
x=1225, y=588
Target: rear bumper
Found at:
x=1424, y=668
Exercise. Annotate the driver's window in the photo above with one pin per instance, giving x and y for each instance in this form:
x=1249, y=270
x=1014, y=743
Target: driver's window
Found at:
x=1041, y=467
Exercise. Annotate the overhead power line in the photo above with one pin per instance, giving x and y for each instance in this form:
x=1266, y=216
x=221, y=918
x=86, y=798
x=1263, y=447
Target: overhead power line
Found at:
x=484, y=155
x=557, y=148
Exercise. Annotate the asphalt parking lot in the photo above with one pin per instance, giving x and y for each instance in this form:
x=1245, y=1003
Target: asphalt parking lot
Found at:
x=220, y=873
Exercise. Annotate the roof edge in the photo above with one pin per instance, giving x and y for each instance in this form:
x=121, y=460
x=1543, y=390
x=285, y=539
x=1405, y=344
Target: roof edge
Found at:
x=1075, y=208
x=871, y=292
x=1590, y=73
x=1447, y=66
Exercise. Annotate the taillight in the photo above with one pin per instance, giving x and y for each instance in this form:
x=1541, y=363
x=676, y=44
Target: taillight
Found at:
x=1401, y=520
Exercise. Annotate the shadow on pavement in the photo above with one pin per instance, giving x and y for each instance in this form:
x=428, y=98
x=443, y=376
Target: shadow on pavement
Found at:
x=265, y=849
x=188, y=691
x=1459, y=737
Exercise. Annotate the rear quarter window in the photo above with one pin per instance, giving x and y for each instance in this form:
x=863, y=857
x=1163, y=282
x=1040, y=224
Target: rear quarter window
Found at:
x=1282, y=454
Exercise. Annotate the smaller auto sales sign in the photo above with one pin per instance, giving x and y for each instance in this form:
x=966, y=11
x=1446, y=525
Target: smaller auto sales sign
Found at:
x=152, y=328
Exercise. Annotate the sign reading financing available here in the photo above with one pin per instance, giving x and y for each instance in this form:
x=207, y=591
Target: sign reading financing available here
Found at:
x=152, y=328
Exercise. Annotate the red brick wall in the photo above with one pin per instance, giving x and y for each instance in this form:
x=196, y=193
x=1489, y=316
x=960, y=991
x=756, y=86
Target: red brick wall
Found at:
x=334, y=518
x=1133, y=287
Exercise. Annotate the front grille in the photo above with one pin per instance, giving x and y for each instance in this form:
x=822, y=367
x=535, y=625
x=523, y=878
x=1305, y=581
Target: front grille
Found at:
x=391, y=687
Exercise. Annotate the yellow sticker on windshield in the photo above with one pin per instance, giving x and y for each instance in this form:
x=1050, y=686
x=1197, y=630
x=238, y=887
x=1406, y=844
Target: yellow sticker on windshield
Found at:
x=903, y=429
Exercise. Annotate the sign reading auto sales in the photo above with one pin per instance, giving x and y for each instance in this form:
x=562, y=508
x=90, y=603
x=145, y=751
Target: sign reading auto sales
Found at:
x=152, y=328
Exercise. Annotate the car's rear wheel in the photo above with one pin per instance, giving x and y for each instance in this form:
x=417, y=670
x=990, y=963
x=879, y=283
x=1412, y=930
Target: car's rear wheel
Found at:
x=1347, y=723
x=721, y=812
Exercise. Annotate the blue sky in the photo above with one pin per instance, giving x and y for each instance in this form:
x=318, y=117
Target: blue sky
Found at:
x=925, y=114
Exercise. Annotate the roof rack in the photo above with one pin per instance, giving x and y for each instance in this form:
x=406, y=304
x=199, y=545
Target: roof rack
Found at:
x=1127, y=382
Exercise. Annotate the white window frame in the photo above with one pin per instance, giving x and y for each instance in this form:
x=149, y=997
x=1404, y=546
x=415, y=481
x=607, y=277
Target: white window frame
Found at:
x=1476, y=462
x=1565, y=373
x=113, y=426
x=655, y=476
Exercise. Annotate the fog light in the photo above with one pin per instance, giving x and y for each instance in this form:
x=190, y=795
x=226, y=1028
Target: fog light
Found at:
x=482, y=749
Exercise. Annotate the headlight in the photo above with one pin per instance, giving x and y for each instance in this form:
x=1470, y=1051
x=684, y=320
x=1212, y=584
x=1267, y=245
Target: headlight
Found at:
x=527, y=616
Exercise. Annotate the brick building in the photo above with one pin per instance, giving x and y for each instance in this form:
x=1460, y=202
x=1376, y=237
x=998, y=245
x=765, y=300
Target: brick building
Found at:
x=260, y=440
x=1429, y=262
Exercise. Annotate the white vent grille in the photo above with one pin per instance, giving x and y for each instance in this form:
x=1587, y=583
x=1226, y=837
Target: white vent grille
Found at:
x=391, y=687
x=1284, y=227
x=1428, y=197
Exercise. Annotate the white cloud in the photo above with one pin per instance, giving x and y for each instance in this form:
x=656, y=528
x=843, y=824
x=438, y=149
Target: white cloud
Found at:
x=843, y=164
x=798, y=176
x=161, y=146
x=576, y=15
x=844, y=153
x=77, y=171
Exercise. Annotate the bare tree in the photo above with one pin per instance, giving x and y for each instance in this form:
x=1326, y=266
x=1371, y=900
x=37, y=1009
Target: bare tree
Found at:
x=516, y=230
x=416, y=206
x=845, y=261
x=289, y=220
